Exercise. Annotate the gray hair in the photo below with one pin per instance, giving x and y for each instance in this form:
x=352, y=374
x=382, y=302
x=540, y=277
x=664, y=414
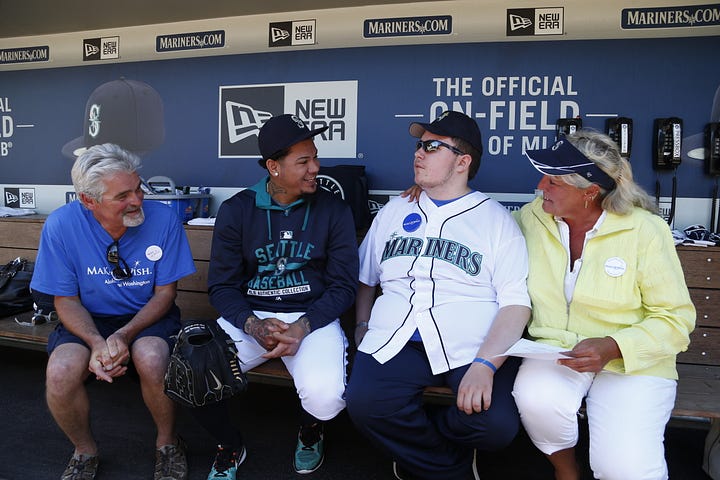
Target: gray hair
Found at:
x=603, y=151
x=99, y=162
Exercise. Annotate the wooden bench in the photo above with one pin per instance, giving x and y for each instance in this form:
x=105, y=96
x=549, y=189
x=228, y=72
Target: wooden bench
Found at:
x=698, y=396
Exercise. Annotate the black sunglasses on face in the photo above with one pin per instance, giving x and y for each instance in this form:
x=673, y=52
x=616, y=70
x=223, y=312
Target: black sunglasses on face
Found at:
x=433, y=145
x=121, y=270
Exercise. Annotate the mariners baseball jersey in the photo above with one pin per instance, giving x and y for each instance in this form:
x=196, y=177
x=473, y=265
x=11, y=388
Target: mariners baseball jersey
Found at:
x=443, y=270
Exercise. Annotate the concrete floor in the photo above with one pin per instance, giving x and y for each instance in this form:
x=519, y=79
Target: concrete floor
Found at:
x=33, y=448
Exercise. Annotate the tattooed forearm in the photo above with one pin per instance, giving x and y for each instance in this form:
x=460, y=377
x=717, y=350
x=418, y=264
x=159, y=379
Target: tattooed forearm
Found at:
x=258, y=328
x=305, y=324
x=261, y=330
x=248, y=324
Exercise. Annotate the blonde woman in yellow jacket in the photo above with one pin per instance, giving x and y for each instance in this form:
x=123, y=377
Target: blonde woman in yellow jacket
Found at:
x=606, y=284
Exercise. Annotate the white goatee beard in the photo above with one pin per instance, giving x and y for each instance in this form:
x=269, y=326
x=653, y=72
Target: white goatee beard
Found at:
x=134, y=221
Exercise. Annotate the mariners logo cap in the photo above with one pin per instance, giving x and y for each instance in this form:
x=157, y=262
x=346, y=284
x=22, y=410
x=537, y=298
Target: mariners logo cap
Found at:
x=451, y=124
x=281, y=132
x=125, y=112
x=564, y=159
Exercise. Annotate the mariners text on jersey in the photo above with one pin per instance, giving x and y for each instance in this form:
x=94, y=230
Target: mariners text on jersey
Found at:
x=446, y=250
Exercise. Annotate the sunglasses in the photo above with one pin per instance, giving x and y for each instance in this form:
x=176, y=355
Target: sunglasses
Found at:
x=39, y=318
x=432, y=145
x=121, y=270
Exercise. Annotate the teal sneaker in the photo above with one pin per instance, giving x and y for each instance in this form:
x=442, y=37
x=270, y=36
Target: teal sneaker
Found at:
x=226, y=463
x=310, y=449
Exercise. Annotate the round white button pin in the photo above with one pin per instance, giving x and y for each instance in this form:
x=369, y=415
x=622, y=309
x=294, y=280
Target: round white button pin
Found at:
x=615, y=266
x=153, y=253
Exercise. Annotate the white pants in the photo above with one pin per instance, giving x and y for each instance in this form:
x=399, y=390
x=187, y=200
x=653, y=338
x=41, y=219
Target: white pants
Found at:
x=318, y=368
x=626, y=415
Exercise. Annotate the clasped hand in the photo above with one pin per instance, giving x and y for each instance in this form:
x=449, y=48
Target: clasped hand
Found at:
x=109, y=359
x=279, y=338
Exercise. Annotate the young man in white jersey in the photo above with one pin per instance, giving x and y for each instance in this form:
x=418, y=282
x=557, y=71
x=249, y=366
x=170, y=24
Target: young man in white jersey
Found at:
x=452, y=269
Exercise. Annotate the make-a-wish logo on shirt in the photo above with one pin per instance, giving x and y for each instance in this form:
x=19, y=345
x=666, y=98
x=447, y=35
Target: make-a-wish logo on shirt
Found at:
x=139, y=275
x=412, y=222
x=135, y=268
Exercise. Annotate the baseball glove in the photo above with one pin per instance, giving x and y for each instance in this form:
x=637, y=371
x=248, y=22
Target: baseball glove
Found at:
x=204, y=367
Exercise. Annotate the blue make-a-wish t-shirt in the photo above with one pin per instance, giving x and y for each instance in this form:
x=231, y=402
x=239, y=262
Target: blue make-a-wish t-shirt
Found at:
x=72, y=258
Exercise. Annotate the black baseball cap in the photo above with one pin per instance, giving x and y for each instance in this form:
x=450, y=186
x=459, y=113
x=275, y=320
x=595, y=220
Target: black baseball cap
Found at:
x=281, y=132
x=451, y=124
x=128, y=113
x=564, y=159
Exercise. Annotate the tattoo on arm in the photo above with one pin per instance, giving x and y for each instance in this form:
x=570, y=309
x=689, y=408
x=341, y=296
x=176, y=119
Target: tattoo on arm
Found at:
x=261, y=331
x=305, y=324
x=248, y=324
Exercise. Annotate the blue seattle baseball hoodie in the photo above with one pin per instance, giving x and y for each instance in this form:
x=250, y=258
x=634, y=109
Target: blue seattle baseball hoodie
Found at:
x=301, y=257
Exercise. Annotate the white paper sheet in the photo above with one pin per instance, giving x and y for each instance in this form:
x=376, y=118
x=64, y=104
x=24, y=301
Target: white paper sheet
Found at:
x=202, y=221
x=15, y=212
x=529, y=349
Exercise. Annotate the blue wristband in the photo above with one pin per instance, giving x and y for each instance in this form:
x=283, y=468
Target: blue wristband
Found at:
x=486, y=363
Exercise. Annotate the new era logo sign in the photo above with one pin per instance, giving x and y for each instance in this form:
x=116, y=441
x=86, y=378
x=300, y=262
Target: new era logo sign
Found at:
x=244, y=109
x=535, y=21
x=20, y=197
x=287, y=34
x=101, y=48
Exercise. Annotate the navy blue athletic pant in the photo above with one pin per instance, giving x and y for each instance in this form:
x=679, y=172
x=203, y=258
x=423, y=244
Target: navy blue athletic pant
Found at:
x=436, y=442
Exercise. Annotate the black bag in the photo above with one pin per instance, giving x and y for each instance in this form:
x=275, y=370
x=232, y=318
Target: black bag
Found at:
x=204, y=367
x=350, y=183
x=15, y=293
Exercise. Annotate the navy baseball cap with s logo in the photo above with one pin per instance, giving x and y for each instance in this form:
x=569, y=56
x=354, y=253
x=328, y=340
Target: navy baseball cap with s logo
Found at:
x=128, y=113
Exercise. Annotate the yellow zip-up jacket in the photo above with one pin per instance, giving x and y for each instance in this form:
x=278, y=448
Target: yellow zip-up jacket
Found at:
x=630, y=287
